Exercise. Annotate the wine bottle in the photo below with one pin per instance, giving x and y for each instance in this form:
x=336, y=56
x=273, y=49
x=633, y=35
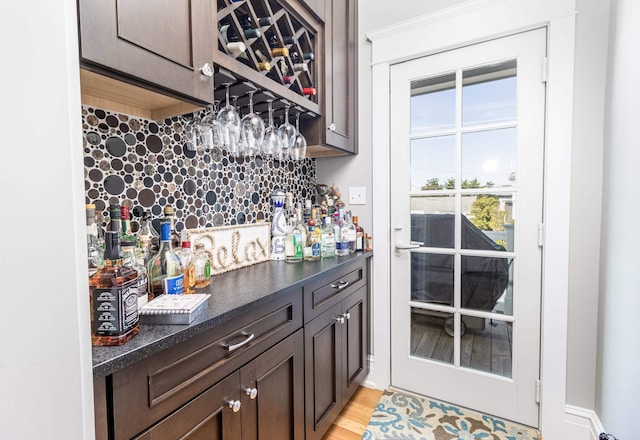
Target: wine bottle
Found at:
x=308, y=56
x=279, y=52
x=287, y=79
x=165, y=269
x=289, y=39
x=309, y=91
x=300, y=67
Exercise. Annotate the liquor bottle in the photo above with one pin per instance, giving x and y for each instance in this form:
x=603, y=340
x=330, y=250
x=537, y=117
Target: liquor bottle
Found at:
x=342, y=235
x=359, y=234
x=130, y=259
x=278, y=226
x=165, y=269
x=293, y=242
x=147, y=235
x=306, y=214
x=314, y=240
x=352, y=233
x=170, y=215
x=95, y=246
x=115, y=219
x=202, y=267
x=114, y=299
x=328, y=243
x=126, y=235
x=188, y=267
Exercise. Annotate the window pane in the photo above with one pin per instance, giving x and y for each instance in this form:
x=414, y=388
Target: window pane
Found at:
x=489, y=159
x=432, y=278
x=433, y=163
x=434, y=230
x=487, y=284
x=487, y=345
x=433, y=205
x=429, y=338
x=488, y=221
x=433, y=104
x=489, y=94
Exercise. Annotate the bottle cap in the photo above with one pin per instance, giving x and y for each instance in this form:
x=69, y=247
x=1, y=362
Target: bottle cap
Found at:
x=124, y=211
x=114, y=211
x=186, y=244
x=355, y=219
x=168, y=210
x=128, y=243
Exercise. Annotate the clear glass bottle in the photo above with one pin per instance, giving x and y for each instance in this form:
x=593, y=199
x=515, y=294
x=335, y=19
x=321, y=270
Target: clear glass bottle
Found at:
x=130, y=259
x=113, y=297
x=328, y=243
x=293, y=241
x=170, y=215
x=342, y=235
x=352, y=233
x=165, y=269
x=359, y=234
x=188, y=267
x=95, y=245
x=202, y=267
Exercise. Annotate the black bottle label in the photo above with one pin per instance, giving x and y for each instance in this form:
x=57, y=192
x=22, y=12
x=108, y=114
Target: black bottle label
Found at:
x=115, y=310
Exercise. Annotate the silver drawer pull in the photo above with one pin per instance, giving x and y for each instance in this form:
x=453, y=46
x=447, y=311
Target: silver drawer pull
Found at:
x=240, y=344
x=339, y=319
x=347, y=316
x=340, y=285
x=234, y=405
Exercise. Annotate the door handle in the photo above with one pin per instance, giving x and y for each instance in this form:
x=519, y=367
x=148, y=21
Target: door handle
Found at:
x=411, y=245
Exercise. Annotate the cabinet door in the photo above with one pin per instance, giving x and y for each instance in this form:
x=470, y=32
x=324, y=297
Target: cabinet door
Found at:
x=207, y=417
x=355, y=342
x=341, y=74
x=161, y=43
x=273, y=392
x=323, y=364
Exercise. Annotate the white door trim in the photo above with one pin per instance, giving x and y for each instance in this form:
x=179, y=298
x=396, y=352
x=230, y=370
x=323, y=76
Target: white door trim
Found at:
x=428, y=36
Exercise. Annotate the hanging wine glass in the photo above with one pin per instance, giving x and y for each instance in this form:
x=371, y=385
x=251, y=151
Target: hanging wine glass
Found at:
x=271, y=145
x=191, y=134
x=252, y=130
x=299, y=149
x=229, y=121
x=287, y=134
x=210, y=130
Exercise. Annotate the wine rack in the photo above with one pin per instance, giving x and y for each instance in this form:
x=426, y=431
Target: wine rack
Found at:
x=269, y=46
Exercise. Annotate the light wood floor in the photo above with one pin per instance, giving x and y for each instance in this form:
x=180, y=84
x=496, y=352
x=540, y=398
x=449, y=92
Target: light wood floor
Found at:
x=354, y=418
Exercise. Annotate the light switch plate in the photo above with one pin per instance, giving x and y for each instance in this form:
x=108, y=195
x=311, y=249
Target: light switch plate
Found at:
x=357, y=195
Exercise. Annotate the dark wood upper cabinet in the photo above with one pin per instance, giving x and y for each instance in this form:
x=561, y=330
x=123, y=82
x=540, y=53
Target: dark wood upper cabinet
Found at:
x=336, y=127
x=157, y=44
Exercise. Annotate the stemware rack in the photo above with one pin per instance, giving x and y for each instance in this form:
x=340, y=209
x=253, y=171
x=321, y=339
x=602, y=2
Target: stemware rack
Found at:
x=271, y=73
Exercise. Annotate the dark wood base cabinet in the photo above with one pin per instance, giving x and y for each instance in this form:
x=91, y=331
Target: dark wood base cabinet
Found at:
x=304, y=356
x=336, y=361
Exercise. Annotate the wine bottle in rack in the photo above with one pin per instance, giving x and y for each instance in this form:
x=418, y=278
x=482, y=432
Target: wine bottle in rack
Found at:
x=234, y=48
x=287, y=79
x=309, y=91
x=289, y=39
x=230, y=35
x=284, y=68
x=308, y=56
x=295, y=58
x=280, y=52
x=300, y=67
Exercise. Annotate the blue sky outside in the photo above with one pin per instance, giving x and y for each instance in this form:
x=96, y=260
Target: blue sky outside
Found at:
x=489, y=156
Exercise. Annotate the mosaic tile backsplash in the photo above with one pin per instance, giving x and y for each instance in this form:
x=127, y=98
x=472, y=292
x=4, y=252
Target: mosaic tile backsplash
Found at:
x=142, y=163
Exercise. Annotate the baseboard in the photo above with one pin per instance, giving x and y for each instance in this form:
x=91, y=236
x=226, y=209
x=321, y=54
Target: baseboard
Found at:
x=582, y=423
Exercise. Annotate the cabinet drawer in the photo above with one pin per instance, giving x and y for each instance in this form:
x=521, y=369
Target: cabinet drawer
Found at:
x=154, y=387
x=323, y=293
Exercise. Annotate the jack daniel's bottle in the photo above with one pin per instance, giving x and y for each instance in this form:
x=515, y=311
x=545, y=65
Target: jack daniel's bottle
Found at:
x=114, y=298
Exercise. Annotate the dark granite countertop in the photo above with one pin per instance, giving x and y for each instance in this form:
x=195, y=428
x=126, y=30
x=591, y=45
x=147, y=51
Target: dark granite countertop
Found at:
x=232, y=294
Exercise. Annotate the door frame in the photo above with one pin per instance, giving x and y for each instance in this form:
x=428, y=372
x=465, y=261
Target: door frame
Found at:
x=471, y=22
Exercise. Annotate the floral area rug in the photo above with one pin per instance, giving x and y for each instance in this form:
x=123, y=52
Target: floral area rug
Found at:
x=401, y=416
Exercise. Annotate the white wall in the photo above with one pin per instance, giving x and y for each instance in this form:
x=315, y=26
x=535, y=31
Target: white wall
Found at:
x=586, y=195
x=45, y=364
x=618, y=391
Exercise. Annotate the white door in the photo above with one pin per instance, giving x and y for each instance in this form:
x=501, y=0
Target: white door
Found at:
x=467, y=137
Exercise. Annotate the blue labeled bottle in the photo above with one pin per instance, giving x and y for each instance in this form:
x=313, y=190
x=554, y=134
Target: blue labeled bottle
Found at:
x=165, y=268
